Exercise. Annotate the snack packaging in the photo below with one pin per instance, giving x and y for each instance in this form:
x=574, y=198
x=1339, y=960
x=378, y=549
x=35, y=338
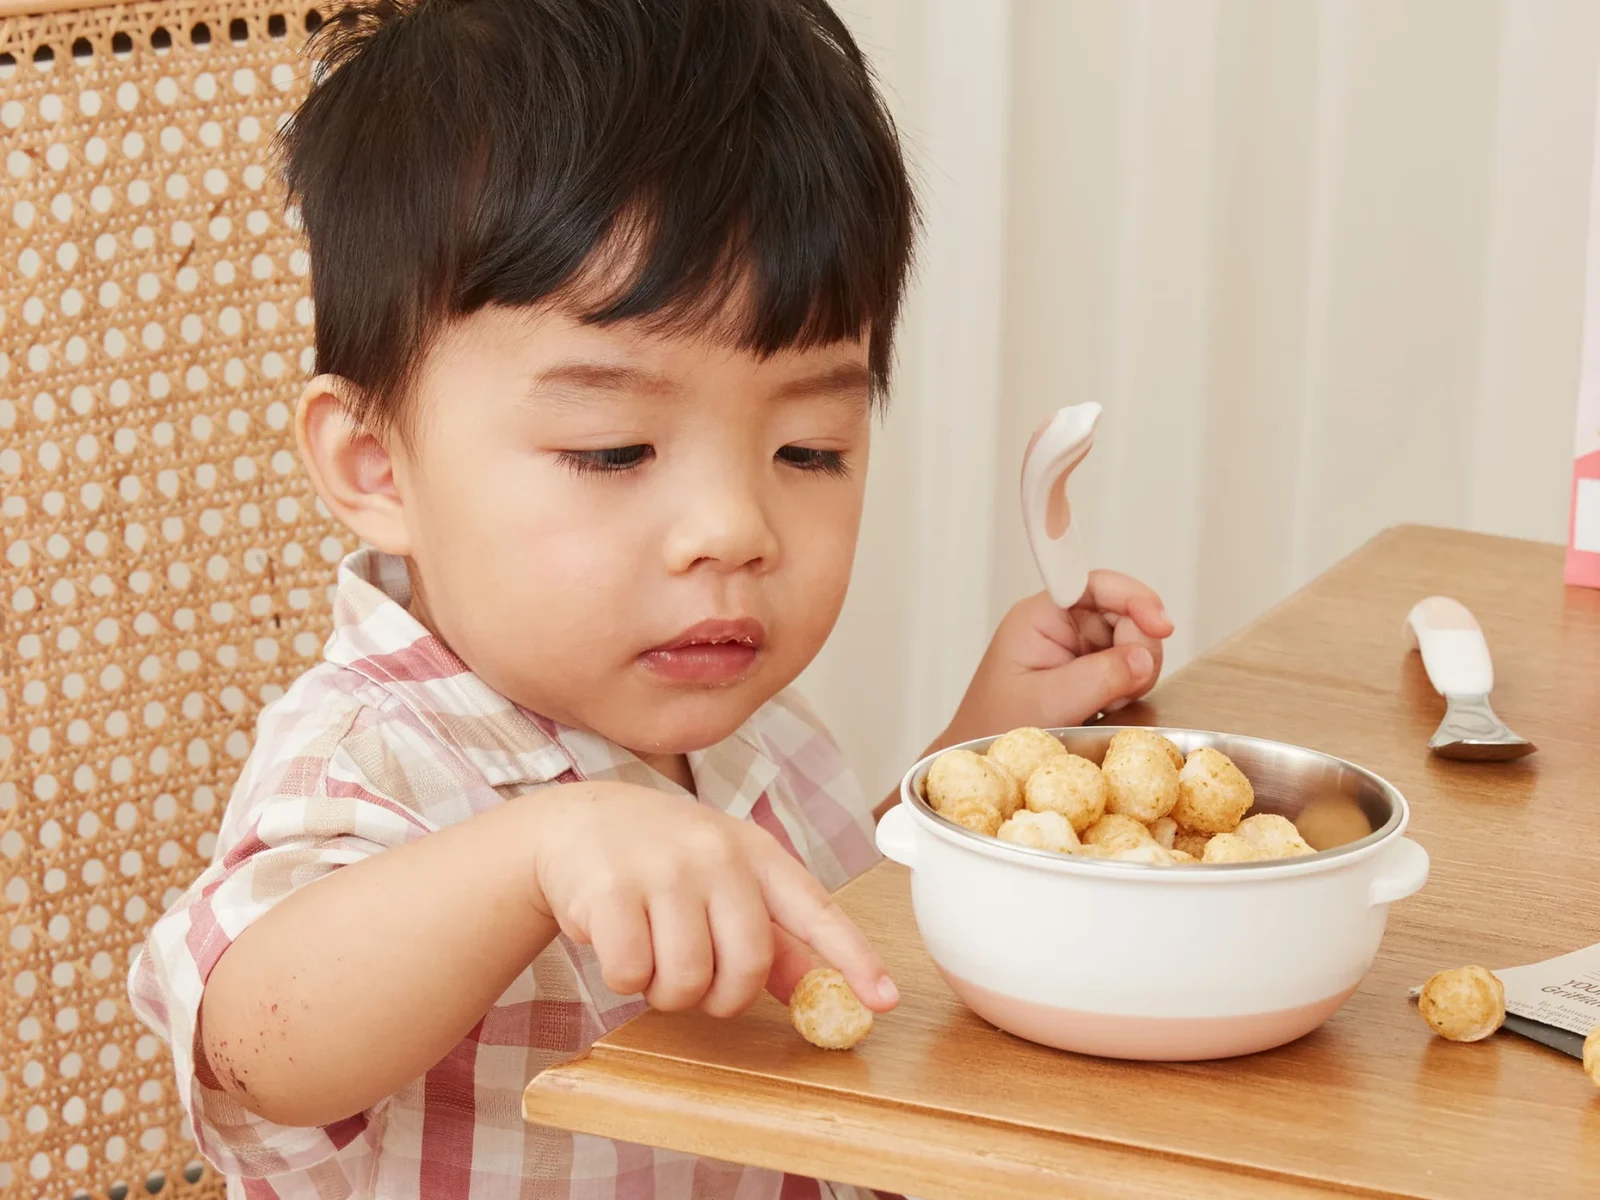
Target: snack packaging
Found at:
x=1583, y=536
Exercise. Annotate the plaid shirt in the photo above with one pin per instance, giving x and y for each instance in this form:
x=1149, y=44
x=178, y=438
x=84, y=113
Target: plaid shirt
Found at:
x=389, y=739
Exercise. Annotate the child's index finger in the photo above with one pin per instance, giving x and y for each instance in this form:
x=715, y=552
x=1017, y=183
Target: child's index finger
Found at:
x=806, y=916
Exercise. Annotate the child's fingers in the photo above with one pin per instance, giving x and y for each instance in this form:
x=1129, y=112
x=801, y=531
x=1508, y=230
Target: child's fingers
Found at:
x=620, y=935
x=1095, y=682
x=741, y=943
x=1150, y=617
x=1113, y=592
x=681, y=941
x=800, y=905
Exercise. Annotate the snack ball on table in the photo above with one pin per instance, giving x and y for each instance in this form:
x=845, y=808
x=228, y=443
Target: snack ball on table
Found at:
x=1165, y=831
x=1023, y=751
x=1041, y=830
x=1115, y=831
x=1213, y=794
x=1466, y=1004
x=827, y=1013
x=1141, y=782
x=1146, y=737
x=1231, y=848
x=1068, y=785
x=960, y=779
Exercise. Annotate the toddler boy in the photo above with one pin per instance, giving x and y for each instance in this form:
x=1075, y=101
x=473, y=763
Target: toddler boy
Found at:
x=605, y=296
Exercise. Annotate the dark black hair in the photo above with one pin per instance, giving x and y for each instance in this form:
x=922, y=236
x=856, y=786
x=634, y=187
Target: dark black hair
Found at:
x=459, y=153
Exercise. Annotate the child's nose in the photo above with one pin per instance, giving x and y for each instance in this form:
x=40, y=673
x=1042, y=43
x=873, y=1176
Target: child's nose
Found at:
x=722, y=521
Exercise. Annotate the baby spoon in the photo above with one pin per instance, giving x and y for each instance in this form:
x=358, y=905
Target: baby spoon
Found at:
x=1058, y=447
x=1456, y=657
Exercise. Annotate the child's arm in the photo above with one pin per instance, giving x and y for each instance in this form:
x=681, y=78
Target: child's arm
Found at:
x=357, y=984
x=1057, y=667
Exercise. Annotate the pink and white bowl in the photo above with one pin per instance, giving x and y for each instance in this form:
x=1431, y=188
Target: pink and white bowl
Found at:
x=1125, y=960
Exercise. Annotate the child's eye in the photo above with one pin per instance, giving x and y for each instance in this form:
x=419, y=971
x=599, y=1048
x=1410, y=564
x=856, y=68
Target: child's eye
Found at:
x=828, y=462
x=607, y=461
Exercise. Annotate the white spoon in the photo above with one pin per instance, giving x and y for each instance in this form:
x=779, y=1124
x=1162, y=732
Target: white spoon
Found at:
x=1055, y=450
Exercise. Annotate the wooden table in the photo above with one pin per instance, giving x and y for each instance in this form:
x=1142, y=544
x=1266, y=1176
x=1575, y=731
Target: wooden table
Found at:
x=938, y=1104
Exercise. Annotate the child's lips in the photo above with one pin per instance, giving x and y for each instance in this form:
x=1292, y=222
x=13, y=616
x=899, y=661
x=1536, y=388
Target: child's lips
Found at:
x=710, y=652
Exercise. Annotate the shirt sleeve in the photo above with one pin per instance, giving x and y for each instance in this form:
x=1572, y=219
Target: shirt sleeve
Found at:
x=312, y=809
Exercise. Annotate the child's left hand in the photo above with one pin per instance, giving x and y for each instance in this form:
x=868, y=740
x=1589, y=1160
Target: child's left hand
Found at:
x=1054, y=667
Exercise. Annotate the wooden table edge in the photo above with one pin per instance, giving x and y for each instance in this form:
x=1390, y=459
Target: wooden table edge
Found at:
x=632, y=1097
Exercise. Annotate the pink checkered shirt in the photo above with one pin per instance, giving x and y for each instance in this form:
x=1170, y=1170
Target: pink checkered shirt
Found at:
x=389, y=739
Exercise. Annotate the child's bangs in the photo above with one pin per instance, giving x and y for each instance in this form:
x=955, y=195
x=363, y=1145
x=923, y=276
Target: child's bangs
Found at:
x=760, y=290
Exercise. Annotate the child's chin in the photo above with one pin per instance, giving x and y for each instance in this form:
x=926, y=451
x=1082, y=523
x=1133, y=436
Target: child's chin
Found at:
x=694, y=723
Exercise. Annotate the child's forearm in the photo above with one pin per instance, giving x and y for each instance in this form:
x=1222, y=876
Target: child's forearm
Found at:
x=359, y=983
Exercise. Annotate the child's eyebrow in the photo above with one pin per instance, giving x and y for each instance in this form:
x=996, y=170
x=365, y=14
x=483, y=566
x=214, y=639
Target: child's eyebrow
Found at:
x=600, y=377
x=847, y=379
x=842, y=379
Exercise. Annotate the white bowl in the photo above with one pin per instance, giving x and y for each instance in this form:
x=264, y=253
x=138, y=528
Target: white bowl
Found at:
x=1126, y=960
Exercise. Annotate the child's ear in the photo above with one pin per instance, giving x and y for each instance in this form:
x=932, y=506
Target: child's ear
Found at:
x=350, y=466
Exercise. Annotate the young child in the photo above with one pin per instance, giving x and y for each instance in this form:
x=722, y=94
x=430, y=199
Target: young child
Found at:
x=605, y=293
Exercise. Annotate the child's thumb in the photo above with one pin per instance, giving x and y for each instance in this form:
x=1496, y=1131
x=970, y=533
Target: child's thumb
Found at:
x=1093, y=683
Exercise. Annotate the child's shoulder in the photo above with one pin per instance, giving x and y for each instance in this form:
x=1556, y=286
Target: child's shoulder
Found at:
x=336, y=732
x=318, y=711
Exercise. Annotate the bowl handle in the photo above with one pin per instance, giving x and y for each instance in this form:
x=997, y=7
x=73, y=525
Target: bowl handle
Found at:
x=1404, y=871
x=897, y=838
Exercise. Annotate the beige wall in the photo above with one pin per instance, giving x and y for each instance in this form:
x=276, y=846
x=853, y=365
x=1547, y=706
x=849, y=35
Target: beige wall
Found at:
x=1321, y=261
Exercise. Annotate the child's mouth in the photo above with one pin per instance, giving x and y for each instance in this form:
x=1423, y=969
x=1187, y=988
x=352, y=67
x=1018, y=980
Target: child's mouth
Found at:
x=710, y=652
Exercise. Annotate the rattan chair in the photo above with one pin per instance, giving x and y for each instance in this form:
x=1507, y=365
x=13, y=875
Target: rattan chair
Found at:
x=166, y=568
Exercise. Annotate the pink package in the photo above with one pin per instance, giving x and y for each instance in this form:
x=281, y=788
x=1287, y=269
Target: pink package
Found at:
x=1583, y=539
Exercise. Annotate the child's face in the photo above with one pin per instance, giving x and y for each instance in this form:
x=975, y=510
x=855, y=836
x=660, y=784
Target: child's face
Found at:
x=644, y=535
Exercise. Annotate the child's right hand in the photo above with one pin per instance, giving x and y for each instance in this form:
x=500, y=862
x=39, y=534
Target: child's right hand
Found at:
x=688, y=905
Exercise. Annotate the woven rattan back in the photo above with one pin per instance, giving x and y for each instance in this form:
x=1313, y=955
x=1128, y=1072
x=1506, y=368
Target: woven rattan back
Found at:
x=166, y=570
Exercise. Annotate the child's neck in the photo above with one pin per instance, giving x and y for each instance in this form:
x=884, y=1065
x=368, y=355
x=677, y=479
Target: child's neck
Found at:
x=674, y=766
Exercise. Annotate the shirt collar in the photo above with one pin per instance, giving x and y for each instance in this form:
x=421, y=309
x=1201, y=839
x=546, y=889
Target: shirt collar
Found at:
x=376, y=636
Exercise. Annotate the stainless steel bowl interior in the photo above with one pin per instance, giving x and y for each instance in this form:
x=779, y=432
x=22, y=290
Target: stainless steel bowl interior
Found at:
x=1287, y=779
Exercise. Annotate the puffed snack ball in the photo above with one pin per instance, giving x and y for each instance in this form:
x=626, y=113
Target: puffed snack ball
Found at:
x=1040, y=830
x=1117, y=832
x=1150, y=853
x=975, y=814
x=1192, y=844
x=1023, y=751
x=1141, y=782
x=1275, y=836
x=1146, y=737
x=959, y=778
x=1591, y=1055
x=1332, y=820
x=1231, y=848
x=1466, y=1004
x=826, y=1012
x=1068, y=785
x=1165, y=831
x=1213, y=794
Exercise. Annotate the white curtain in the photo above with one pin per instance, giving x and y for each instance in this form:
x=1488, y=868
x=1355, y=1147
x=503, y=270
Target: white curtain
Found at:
x=1321, y=260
